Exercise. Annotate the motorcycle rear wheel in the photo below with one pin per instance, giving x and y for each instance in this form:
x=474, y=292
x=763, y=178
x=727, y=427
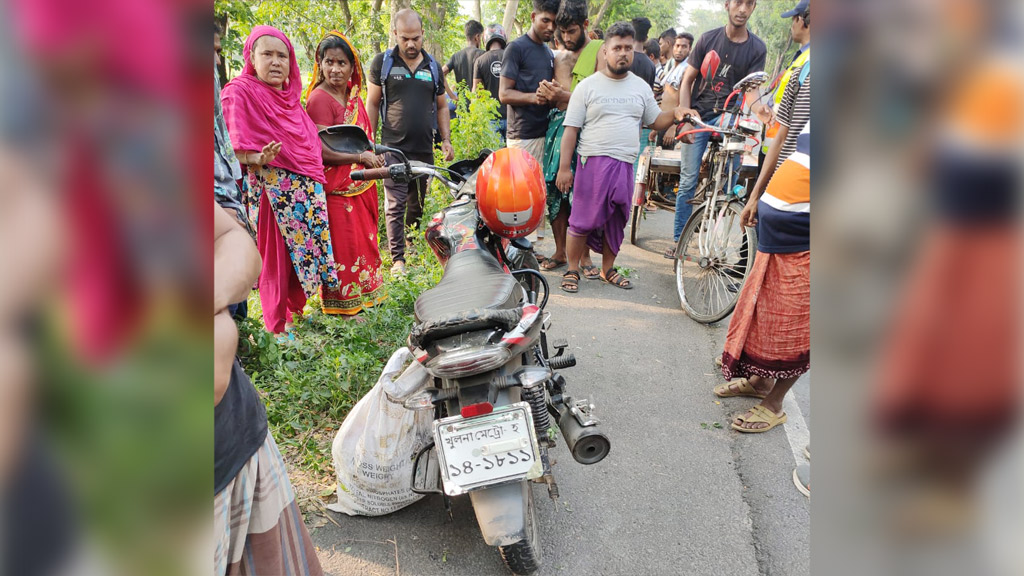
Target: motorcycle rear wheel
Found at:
x=524, y=557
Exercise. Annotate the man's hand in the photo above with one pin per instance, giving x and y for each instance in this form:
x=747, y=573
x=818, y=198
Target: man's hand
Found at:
x=653, y=136
x=446, y=148
x=550, y=91
x=564, y=180
x=765, y=114
x=749, y=214
x=681, y=114
x=546, y=90
x=670, y=137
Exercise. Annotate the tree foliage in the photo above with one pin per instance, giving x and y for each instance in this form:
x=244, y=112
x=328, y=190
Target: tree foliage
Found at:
x=366, y=22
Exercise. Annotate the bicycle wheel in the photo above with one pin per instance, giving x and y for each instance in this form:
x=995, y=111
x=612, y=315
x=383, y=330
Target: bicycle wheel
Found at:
x=709, y=284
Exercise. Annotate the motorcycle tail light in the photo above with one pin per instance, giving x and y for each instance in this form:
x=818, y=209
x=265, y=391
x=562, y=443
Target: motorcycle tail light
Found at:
x=468, y=361
x=476, y=409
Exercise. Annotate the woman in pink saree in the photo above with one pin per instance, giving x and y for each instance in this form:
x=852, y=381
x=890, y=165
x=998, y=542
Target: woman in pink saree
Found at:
x=278, y=142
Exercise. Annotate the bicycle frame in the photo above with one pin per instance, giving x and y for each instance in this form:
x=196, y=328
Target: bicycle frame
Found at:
x=708, y=237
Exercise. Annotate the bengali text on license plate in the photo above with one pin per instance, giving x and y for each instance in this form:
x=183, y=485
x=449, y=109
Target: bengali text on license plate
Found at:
x=486, y=450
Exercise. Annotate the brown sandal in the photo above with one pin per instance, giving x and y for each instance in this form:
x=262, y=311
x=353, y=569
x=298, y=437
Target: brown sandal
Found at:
x=617, y=280
x=571, y=282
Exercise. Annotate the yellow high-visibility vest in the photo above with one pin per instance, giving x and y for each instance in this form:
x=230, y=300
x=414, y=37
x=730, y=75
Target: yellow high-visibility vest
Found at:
x=779, y=92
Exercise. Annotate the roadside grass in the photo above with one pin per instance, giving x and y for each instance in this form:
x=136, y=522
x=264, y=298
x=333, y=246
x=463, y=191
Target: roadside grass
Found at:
x=310, y=384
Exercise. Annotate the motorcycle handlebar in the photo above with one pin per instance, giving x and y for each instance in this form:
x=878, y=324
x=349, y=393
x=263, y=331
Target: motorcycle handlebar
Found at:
x=371, y=174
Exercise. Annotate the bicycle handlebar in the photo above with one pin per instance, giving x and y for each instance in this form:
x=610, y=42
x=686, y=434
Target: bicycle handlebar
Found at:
x=688, y=119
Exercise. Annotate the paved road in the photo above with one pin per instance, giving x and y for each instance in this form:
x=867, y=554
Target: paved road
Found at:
x=673, y=497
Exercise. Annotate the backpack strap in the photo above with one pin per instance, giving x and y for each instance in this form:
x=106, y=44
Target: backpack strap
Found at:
x=385, y=69
x=804, y=72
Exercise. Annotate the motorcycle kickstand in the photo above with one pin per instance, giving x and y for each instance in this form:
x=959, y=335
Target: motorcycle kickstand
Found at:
x=549, y=478
x=448, y=507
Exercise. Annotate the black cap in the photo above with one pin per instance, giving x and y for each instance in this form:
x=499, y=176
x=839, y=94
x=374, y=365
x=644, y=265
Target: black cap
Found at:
x=801, y=8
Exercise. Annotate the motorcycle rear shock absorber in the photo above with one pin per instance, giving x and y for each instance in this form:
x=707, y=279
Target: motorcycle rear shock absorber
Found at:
x=541, y=420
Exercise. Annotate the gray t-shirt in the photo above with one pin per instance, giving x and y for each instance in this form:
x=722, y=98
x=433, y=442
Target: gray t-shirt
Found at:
x=609, y=113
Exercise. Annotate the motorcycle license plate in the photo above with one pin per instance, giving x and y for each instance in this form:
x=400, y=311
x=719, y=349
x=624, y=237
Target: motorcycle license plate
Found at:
x=485, y=450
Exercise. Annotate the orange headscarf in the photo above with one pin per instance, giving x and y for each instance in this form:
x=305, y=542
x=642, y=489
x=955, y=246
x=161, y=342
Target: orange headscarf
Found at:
x=355, y=83
x=338, y=176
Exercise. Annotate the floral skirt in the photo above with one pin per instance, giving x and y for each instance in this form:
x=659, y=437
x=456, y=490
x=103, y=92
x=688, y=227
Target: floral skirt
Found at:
x=353, y=223
x=300, y=209
x=770, y=331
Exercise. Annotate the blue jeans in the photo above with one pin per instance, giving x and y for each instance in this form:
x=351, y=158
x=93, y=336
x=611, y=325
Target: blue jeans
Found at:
x=689, y=170
x=500, y=126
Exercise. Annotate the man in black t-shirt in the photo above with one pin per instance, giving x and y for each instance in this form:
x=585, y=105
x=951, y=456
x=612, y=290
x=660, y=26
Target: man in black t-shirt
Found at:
x=462, y=61
x=527, y=61
x=642, y=66
x=740, y=52
x=487, y=69
x=414, y=95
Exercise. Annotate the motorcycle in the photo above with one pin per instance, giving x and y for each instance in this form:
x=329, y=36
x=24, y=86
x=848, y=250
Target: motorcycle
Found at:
x=482, y=335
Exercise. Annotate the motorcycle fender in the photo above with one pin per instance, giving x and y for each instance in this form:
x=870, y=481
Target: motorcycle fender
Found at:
x=501, y=513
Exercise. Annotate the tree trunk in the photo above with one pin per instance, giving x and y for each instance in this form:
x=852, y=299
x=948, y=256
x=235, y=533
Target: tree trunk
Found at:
x=596, y=20
x=374, y=16
x=478, y=12
x=222, y=68
x=347, y=12
x=510, y=14
x=396, y=5
x=434, y=21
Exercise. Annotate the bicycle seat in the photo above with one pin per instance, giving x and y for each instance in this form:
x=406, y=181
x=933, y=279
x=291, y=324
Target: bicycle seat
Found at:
x=473, y=279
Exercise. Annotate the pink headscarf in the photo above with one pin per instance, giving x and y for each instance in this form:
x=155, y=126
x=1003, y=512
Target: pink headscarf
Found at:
x=257, y=114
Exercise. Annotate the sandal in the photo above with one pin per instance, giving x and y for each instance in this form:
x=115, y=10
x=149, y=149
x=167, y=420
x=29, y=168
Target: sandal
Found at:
x=617, y=280
x=744, y=389
x=571, y=282
x=759, y=414
x=591, y=272
x=551, y=264
x=669, y=254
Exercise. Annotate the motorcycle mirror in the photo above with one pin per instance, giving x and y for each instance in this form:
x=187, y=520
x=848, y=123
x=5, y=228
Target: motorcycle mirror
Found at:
x=752, y=80
x=346, y=138
x=709, y=67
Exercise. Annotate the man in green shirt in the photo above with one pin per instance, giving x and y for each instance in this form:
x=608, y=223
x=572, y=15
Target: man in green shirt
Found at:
x=581, y=58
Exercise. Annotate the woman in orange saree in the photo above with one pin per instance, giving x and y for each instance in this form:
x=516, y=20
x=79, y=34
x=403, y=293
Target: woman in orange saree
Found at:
x=333, y=97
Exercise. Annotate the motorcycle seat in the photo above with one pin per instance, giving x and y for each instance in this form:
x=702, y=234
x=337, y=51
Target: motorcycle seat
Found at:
x=472, y=279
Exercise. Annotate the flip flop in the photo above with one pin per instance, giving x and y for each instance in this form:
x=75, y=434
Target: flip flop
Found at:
x=760, y=414
x=551, y=264
x=745, y=389
x=591, y=272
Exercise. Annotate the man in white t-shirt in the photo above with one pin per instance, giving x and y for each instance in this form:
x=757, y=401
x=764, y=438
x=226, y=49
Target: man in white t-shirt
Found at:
x=603, y=113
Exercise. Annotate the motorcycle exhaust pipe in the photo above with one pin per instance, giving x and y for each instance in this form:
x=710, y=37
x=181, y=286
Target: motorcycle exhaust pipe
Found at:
x=587, y=444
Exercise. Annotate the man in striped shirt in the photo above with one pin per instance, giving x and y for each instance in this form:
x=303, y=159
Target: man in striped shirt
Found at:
x=768, y=345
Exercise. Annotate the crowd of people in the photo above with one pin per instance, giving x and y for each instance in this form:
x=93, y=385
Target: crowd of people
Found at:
x=580, y=101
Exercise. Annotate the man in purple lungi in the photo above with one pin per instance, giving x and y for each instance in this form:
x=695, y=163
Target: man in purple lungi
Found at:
x=603, y=114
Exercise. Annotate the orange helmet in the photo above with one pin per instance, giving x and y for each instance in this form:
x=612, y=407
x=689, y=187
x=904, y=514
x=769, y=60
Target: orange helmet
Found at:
x=510, y=193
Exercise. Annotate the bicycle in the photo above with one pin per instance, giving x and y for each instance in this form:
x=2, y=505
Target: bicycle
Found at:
x=656, y=165
x=715, y=252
